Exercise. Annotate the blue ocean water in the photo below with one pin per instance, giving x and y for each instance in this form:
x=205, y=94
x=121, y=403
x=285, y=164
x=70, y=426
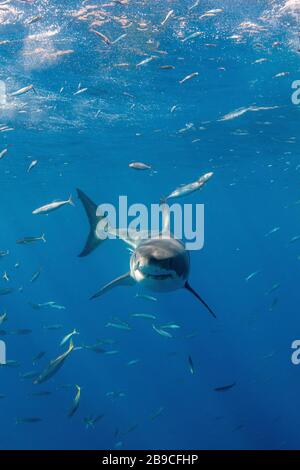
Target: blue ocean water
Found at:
x=87, y=141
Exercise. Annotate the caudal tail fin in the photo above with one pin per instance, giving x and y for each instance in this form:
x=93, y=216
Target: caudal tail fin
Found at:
x=91, y=211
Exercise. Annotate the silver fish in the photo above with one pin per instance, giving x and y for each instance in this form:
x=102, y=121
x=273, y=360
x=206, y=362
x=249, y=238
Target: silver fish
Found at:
x=119, y=325
x=69, y=336
x=146, y=297
x=191, y=365
x=146, y=61
x=167, y=17
x=193, y=36
x=21, y=91
x=81, y=90
x=76, y=401
x=54, y=366
x=148, y=316
x=53, y=206
x=139, y=166
x=27, y=240
x=251, y=276
x=188, y=77
x=35, y=276
x=190, y=188
x=3, y=318
x=102, y=37
x=161, y=332
x=32, y=165
x=3, y=152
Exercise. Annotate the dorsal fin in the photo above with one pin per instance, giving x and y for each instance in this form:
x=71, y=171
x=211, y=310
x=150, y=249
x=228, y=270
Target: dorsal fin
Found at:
x=165, y=218
x=91, y=211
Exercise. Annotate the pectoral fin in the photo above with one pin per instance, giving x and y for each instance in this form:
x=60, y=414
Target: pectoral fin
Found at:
x=190, y=289
x=125, y=280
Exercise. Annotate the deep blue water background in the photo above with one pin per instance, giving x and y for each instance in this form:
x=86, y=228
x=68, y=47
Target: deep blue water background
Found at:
x=255, y=160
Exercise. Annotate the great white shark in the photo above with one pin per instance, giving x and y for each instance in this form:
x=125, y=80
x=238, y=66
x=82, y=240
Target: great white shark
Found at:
x=159, y=263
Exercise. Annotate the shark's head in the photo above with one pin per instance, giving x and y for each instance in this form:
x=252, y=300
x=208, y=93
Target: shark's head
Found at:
x=160, y=264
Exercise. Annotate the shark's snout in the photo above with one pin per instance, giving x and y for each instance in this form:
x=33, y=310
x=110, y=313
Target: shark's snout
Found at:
x=156, y=260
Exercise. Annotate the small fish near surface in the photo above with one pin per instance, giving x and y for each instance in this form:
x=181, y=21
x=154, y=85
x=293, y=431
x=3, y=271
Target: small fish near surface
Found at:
x=188, y=77
x=33, y=20
x=167, y=67
x=139, y=166
x=169, y=15
x=102, y=36
x=80, y=91
x=146, y=61
x=193, y=36
x=118, y=39
x=3, y=153
x=32, y=165
x=53, y=206
x=23, y=90
x=54, y=366
x=241, y=111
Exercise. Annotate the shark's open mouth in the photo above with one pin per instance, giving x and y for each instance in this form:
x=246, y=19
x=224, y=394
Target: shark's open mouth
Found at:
x=158, y=277
x=154, y=273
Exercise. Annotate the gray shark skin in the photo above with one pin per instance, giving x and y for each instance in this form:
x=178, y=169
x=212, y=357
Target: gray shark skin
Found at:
x=159, y=264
